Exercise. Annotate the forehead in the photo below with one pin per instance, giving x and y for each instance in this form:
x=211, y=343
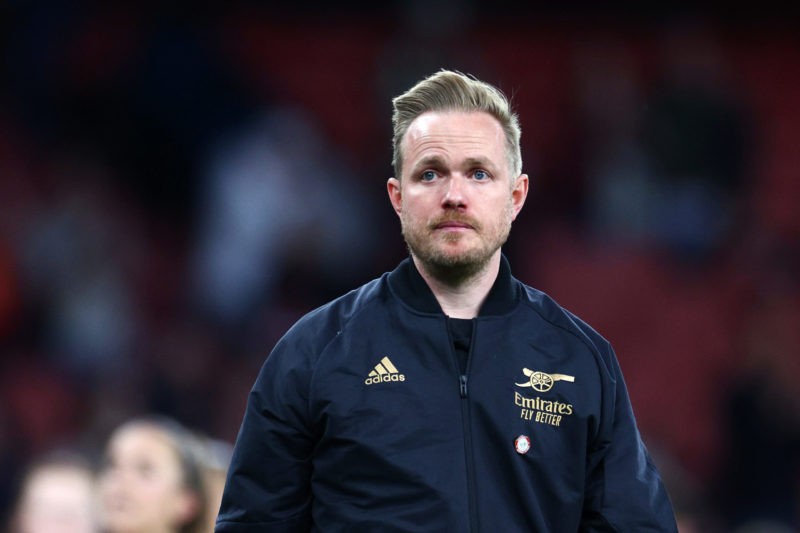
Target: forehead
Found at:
x=141, y=440
x=454, y=134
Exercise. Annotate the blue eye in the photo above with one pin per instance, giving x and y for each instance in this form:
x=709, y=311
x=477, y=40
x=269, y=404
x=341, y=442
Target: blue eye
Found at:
x=480, y=175
x=428, y=175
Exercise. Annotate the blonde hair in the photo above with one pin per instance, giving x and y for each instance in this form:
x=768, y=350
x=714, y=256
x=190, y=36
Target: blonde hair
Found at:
x=449, y=90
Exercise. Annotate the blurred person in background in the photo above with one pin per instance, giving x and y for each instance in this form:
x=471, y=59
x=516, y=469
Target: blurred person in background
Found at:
x=666, y=161
x=445, y=395
x=761, y=415
x=152, y=479
x=695, y=136
x=249, y=228
x=57, y=495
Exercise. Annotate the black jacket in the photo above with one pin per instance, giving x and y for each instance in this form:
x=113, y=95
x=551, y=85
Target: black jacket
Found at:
x=360, y=420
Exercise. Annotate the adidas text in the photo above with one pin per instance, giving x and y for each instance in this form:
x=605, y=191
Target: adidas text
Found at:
x=385, y=378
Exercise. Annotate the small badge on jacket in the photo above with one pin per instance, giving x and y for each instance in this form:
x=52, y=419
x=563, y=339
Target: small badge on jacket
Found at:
x=522, y=444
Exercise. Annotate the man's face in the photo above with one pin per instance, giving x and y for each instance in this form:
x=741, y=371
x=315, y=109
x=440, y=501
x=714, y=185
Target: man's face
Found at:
x=456, y=199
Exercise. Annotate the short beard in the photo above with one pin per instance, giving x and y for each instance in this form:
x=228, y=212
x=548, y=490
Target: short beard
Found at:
x=452, y=270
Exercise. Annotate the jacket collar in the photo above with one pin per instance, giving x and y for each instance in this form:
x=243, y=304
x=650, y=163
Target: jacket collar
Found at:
x=407, y=283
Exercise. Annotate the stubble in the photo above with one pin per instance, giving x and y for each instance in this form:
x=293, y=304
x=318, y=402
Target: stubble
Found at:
x=441, y=262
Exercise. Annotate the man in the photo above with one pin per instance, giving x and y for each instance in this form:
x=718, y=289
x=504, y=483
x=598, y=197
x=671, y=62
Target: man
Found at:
x=445, y=395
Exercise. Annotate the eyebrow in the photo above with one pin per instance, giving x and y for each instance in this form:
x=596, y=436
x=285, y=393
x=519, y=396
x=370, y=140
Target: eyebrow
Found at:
x=479, y=162
x=436, y=161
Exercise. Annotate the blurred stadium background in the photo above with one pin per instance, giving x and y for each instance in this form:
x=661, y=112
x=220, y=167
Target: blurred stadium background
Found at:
x=179, y=183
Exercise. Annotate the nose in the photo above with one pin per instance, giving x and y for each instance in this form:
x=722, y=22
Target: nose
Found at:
x=455, y=193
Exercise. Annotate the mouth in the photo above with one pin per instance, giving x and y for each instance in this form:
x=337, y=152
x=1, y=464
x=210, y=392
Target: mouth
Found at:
x=453, y=225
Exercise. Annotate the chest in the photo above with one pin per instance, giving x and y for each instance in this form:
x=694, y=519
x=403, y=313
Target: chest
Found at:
x=403, y=379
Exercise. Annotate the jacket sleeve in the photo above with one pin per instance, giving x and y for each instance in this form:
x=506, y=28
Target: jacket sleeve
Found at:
x=624, y=491
x=268, y=483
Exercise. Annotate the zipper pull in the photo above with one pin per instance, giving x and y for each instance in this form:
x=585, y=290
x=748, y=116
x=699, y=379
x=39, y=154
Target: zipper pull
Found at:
x=463, y=382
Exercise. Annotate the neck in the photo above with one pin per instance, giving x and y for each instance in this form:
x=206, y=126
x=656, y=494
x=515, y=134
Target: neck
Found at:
x=460, y=296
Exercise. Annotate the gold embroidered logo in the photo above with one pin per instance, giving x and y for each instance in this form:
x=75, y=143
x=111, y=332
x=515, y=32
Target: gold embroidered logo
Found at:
x=542, y=411
x=542, y=382
x=384, y=372
x=537, y=409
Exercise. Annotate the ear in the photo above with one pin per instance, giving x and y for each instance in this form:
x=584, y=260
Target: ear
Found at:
x=518, y=194
x=395, y=191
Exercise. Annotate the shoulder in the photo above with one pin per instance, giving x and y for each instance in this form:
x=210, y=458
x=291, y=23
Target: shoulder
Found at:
x=294, y=357
x=317, y=328
x=556, y=316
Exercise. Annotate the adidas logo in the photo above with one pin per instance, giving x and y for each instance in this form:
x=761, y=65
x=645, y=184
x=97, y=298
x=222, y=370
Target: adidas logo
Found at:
x=384, y=372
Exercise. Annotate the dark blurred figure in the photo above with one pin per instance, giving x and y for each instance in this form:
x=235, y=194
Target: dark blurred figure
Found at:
x=257, y=221
x=609, y=96
x=664, y=143
x=693, y=512
x=760, y=474
x=144, y=83
x=695, y=140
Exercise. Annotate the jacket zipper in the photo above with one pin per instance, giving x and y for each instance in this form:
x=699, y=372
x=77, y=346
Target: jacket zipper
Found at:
x=466, y=427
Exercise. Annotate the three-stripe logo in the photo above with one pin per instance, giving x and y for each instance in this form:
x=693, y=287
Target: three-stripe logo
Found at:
x=384, y=372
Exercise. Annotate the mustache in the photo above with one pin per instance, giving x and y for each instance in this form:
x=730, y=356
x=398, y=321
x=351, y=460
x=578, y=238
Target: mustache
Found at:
x=459, y=219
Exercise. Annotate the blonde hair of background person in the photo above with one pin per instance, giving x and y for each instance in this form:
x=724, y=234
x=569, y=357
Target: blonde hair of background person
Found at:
x=152, y=479
x=215, y=459
x=56, y=495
